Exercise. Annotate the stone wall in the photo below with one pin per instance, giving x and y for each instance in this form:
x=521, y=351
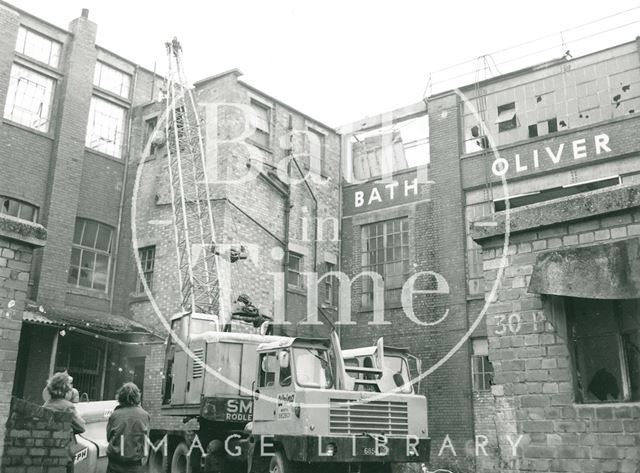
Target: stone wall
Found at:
x=37, y=439
x=540, y=424
x=17, y=240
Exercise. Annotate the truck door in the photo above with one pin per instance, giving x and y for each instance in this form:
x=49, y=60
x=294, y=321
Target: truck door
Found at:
x=264, y=405
x=179, y=380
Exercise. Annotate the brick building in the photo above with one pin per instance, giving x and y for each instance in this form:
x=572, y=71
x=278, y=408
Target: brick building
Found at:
x=415, y=196
x=557, y=268
x=288, y=225
x=64, y=157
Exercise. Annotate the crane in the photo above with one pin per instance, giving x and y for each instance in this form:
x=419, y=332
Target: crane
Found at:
x=204, y=272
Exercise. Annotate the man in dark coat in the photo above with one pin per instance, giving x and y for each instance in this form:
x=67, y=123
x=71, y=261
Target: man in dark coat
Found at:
x=127, y=430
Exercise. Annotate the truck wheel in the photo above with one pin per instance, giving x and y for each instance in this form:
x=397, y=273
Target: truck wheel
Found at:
x=157, y=462
x=280, y=464
x=180, y=459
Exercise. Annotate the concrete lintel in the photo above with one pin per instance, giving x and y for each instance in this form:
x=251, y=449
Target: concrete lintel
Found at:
x=567, y=209
x=29, y=233
x=397, y=115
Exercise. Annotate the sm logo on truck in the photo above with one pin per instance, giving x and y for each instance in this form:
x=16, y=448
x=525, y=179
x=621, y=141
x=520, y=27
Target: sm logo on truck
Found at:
x=238, y=410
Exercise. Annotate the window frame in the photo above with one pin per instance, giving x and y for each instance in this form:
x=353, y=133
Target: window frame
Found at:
x=118, y=145
x=367, y=302
x=329, y=284
x=98, y=79
x=623, y=362
x=11, y=102
x=510, y=123
x=266, y=134
x=147, y=272
x=482, y=356
x=24, y=37
x=298, y=272
x=319, y=167
x=84, y=249
x=20, y=204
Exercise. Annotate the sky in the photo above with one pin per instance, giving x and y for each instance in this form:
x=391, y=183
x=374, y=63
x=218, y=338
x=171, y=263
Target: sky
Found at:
x=340, y=61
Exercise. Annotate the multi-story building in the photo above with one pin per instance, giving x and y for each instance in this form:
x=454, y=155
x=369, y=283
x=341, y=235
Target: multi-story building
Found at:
x=557, y=261
x=417, y=198
x=64, y=153
x=274, y=192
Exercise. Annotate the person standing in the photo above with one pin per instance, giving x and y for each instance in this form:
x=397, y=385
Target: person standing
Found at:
x=59, y=388
x=127, y=430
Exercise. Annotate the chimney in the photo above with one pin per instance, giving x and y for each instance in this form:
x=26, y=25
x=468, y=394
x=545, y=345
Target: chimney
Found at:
x=85, y=13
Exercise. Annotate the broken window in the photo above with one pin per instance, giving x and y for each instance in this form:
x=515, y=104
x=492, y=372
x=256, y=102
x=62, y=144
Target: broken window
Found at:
x=111, y=79
x=390, y=148
x=481, y=367
x=38, y=47
x=604, y=342
x=29, y=98
x=105, y=131
x=91, y=255
x=149, y=135
x=507, y=119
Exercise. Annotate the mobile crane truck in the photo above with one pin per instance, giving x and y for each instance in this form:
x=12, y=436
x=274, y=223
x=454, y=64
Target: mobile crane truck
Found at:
x=262, y=402
x=286, y=404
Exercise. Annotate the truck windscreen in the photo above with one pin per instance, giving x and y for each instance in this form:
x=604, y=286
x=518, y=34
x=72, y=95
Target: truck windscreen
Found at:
x=312, y=368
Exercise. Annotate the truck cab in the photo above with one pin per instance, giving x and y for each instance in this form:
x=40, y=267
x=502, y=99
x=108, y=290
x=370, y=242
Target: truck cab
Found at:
x=306, y=411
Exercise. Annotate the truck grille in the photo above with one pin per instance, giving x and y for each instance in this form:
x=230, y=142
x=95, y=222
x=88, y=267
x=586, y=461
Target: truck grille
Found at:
x=377, y=417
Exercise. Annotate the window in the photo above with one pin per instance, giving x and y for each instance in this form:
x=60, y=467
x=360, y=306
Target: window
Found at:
x=481, y=367
x=543, y=128
x=604, y=342
x=385, y=250
x=285, y=372
x=38, y=47
x=113, y=80
x=507, y=119
x=316, y=151
x=294, y=276
x=150, y=126
x=268, y=365
x=91, y=255
x=329, y=281
x=19, y=209
x=261, y=120
x=105, y=130
x=29, y=98
x=147, y=260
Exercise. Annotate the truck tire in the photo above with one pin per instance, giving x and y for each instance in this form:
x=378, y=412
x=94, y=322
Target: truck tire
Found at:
x=180, y=459
x=281, y=464
x=157, y=462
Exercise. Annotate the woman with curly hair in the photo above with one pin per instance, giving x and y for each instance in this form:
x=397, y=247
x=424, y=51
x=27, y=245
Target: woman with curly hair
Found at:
x=127, y=430
x=59, y=388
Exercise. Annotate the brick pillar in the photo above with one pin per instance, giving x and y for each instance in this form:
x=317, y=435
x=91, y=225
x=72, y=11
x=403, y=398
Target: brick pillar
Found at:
x=17, y=241
x=67, y=159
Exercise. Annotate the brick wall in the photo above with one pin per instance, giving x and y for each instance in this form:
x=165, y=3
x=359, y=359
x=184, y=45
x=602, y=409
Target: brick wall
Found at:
x=17, y=241
x=37, y=439
x=534, y=394
x=436, y=236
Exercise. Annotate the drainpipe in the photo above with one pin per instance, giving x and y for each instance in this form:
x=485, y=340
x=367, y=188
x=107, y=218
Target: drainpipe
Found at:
x=122, y=194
